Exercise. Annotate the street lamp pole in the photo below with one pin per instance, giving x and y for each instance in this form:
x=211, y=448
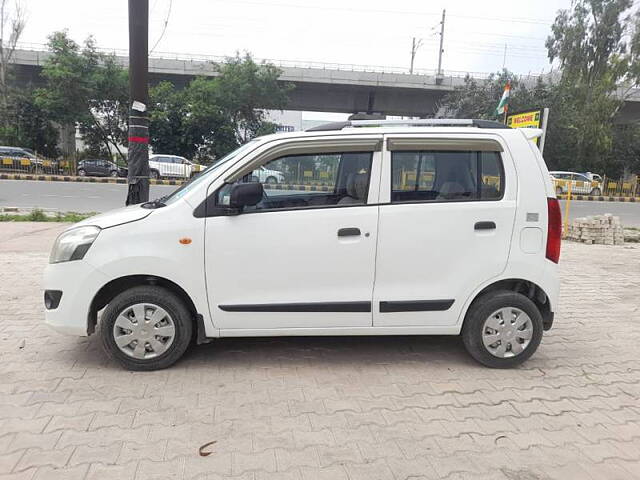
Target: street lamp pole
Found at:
x=138, y=154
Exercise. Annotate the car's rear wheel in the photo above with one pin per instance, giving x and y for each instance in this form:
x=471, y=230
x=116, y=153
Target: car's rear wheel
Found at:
x=272, y=180
x=154, y=174
x=502, y=329
x=558, y=190
x=596, y=192
x=146, y=328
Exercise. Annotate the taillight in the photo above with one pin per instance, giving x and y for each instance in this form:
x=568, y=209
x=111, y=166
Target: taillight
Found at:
x=554, y=229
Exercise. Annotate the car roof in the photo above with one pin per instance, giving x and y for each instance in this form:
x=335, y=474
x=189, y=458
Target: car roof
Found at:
x=563, y=171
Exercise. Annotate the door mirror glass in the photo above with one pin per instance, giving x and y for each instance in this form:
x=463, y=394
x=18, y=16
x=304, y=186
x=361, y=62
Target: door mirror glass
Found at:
x=245, y=195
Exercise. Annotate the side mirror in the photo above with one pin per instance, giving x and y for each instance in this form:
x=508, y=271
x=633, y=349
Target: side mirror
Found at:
x=245, y=195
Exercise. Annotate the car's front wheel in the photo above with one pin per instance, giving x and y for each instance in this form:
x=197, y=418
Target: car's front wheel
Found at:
x=502, y=329
x=81, y=172
x=596, y=192
x=113, y=173
x=272, y=180
x=154, y=174
x=146, y=328
x=558, y=190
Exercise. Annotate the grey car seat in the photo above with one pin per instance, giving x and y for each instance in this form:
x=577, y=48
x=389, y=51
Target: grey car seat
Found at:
x=357, y=184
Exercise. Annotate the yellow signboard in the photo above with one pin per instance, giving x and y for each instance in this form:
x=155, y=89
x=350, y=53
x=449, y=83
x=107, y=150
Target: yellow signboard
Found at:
x=532, y=119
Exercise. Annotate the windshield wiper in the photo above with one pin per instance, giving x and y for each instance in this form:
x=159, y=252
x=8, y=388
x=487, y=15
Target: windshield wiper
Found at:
x=157, y=203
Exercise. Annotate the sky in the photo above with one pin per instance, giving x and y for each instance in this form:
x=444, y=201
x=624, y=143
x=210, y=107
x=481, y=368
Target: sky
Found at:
x=361, y=32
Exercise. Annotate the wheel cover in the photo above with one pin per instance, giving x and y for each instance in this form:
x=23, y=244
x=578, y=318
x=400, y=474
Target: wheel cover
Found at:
x=507, y=332
x=144, y=331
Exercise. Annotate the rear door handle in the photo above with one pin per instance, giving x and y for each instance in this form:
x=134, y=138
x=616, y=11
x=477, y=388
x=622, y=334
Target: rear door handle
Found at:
x=349, y=232
x=485, y=226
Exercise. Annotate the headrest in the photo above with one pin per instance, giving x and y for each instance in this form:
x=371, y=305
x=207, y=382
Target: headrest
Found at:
x=357, y=184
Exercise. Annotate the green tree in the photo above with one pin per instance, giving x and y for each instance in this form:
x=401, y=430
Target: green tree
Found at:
x=590, y=41
x=479, y=98
x=26, y=125
x=624, y=157
x=11, y=27
x=213, y=116
x=87, y=88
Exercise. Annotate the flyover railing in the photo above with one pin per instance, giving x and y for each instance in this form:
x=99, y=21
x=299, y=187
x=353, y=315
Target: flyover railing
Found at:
x=350, y=67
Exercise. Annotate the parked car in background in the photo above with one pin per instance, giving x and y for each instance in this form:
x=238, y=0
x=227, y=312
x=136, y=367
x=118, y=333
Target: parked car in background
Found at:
x=265, y=175
x=593, y=177
x=100, y=168
x=580, y=183
x=172, y=166
x=471, y=247
x=23, y=159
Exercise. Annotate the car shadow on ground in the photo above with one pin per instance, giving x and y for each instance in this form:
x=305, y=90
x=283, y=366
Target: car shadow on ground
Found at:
x=341, y=351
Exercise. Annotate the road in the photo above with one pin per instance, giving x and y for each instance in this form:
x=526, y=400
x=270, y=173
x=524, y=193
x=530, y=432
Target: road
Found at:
x=69, y=196
x=100, y=197
x=629, y=213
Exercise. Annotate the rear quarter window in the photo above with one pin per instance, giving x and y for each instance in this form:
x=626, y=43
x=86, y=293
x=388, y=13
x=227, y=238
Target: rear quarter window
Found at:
x=444, y=176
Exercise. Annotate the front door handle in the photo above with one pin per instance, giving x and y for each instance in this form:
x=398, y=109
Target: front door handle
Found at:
x=485, y=226
x=349, y=232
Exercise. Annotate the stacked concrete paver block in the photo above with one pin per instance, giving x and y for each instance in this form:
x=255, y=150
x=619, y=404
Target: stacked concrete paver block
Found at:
x=599, y=229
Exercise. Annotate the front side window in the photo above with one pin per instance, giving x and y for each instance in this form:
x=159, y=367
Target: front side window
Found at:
x=310, y=181
x=205, y=176
x=441, y=176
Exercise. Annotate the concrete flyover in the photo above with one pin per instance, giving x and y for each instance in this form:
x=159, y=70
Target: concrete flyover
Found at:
x=319, y=86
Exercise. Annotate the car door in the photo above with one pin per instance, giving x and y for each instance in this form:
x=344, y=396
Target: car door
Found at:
x=90, y=167
x=102, y=168
x=185, y=168
x=301, y=258
x=445, y=228
x=581, y=184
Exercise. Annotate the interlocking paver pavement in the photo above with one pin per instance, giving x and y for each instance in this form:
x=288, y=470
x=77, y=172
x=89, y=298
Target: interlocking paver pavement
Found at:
x=326, y=408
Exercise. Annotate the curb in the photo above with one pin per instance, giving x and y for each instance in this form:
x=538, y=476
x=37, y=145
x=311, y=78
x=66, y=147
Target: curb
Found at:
x=65, y=178
x=600, y=199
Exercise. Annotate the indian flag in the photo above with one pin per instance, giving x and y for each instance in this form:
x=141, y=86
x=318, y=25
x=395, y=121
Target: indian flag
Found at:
x=503, y=106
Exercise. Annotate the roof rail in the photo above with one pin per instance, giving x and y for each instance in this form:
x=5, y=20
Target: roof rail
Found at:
x=424, y=122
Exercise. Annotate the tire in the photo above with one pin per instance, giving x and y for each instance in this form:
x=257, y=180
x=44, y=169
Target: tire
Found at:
x=477, y=328
x=596, y=192
x=272, y=180
x=154, y=174
x=558, y=190
x=152, y=297
x=82, y=173
x=113, y=173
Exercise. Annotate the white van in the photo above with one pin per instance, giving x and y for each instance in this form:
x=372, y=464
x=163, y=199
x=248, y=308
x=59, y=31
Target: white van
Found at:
x=426, y=227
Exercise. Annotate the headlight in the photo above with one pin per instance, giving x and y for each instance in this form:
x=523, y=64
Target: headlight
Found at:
x=73, y=244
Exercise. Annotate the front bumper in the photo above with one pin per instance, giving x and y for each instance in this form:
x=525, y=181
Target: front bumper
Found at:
x=79, y=282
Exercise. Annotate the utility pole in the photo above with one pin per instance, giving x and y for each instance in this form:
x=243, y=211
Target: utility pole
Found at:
x=138, y=154
x=504, y=58
x=414, y=48
x=439, y=75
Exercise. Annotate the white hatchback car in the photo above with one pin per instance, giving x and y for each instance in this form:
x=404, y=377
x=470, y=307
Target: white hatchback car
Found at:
x=580, y=183
x=427, y=227
x=171, y=166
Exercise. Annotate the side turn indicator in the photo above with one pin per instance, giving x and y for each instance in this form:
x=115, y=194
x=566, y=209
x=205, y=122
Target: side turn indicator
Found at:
x=185, y=241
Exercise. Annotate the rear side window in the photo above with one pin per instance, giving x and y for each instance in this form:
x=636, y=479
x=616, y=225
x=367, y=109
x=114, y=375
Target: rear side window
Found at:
x=443, y=176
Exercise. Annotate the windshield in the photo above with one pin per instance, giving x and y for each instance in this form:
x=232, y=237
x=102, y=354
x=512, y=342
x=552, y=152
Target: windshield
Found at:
x=206, y=174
